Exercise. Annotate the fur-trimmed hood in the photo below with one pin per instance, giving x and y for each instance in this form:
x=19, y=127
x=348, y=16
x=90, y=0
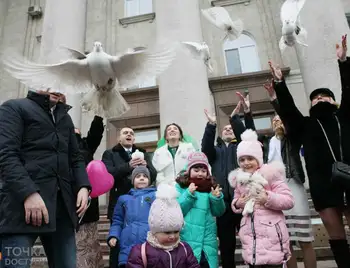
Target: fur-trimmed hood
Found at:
x=268, y=171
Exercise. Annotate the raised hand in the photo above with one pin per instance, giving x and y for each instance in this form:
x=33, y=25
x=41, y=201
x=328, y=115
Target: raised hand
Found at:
x=270, y=90
x=211, y=117
x=217, y=191
x=276, y=71
x=341, y=50
x=244, y=101
x=237, y=109
x=192, y=188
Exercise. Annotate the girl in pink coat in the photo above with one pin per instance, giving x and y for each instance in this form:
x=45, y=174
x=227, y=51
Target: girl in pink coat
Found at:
x=260, y=195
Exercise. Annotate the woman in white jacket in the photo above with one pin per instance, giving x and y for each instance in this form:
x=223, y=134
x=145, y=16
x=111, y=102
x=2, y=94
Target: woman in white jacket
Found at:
x=171, y=158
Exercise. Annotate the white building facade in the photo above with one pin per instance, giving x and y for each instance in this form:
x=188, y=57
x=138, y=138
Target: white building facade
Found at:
x=35, y=27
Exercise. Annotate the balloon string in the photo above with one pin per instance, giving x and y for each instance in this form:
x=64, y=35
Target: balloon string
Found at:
x=88, y=205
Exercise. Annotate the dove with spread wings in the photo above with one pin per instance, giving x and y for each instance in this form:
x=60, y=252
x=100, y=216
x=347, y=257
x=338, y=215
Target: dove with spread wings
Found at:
x=219, y=17
x=292, y=31
x=98, y=74
x=199, y=51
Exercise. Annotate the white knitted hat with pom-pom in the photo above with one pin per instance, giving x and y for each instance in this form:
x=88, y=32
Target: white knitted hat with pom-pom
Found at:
x=250, y=146
x=165, y=214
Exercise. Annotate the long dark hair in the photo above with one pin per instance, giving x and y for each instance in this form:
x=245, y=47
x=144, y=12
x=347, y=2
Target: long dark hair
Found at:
x=183, y=180
x=176, y=125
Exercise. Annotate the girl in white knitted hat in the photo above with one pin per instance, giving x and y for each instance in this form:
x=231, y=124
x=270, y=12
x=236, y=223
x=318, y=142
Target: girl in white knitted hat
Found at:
x=163, y=248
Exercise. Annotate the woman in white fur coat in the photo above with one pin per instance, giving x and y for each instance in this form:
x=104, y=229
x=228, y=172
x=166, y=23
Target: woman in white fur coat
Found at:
x=171, y=158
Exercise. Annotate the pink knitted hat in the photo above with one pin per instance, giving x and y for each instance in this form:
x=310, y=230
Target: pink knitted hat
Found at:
x=250, y=146
x=197, y=158
x=165, y=214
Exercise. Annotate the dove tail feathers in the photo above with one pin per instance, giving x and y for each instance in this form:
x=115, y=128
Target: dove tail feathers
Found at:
x=109, y=104
x=237, y=29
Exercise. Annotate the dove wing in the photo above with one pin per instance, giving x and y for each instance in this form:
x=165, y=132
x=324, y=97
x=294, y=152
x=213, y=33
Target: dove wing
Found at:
x=73, y=53
x=194, y=48
x=290, y=10
x=218, y=16
x=135, y=67
x=70, y=74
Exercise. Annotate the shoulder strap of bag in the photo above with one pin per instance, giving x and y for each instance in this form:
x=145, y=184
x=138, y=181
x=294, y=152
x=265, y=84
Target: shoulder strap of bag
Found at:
x=143, y=254
x=329, y=144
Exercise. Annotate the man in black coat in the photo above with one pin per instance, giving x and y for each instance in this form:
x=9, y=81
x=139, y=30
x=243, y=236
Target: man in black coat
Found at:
x=44, y=181
x=120, y=165
x=223, y=159
x=88, y=245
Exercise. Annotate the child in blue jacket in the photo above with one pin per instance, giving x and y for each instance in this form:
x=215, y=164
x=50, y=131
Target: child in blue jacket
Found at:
x=130, y=218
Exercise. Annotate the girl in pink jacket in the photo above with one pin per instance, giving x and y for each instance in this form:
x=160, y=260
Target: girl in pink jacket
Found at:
x=260, y=195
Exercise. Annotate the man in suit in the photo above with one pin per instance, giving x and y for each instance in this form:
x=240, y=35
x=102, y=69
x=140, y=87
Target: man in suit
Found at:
x=120, y=165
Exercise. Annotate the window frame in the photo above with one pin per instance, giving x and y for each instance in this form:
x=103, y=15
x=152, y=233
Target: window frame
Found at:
x=227, y=47
x=139, y=12
x=149, y=146
x=264, y=131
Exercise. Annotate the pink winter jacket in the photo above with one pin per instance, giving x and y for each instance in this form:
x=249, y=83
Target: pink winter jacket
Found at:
x=270, y=244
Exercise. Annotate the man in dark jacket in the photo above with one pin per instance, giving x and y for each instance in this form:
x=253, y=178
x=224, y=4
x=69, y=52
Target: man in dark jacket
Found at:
x=39, y=155
x=326, y=130
x=88, y=245
x=223, y=159
x=119, y=164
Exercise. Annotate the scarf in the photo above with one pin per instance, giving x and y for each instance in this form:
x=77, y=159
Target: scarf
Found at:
x=203, y=185
x=153, y=241
x=323, y=110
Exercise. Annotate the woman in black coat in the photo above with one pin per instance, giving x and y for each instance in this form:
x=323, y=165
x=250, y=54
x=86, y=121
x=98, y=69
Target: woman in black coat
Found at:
x=328, y=197
x=89, y=253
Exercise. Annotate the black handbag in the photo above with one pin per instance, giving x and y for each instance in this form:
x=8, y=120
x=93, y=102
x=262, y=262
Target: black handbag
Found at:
x=340, y=170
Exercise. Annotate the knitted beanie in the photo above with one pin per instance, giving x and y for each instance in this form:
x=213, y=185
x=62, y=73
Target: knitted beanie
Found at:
x=250, y=146
x=197, y=158
x=165, y=214
x=140, y=169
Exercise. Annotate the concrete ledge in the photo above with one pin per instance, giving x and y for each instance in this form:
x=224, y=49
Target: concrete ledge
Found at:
x=222, y=3
x=135, y=19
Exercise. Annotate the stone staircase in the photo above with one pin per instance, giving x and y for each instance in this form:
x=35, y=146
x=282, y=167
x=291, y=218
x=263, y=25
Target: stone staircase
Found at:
x=323, y=252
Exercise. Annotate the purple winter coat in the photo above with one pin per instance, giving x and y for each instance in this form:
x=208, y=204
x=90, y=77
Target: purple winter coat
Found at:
x=159, y=258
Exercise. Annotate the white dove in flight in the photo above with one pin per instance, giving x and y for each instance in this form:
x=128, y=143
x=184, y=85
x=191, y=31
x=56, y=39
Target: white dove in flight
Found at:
x=97, y=73
x=200, y=51
x=292, y=31
x=219, y=17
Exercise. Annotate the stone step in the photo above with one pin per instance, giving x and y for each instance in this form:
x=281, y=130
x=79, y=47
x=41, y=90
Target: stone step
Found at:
x=324, y=256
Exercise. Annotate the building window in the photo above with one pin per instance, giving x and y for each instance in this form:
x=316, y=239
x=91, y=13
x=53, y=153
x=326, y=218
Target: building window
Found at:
x=149, y=135
x=147, y=83
x=348, y=18
x=241, y=55
x=137, y=7
x=262, y=123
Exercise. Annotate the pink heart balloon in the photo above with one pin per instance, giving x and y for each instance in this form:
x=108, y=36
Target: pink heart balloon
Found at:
x=101, y=181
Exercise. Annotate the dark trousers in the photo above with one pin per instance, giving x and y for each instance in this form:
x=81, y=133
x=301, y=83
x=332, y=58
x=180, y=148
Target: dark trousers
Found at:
x=113, y=255
x=227, y=225
x=203, y=262
x=60, y=248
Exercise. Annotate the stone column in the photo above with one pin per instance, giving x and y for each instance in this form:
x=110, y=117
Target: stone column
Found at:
x=183, y=88
x=64, y=24
x=325, y=24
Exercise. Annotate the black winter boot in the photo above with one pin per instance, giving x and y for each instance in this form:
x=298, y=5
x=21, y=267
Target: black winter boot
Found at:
x=341, y=252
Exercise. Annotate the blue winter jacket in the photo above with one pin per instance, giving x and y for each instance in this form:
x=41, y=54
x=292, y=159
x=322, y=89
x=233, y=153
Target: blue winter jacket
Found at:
x=130, y=220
